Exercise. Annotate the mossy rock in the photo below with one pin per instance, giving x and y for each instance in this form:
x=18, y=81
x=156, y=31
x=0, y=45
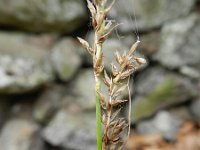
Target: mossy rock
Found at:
x=172, y=90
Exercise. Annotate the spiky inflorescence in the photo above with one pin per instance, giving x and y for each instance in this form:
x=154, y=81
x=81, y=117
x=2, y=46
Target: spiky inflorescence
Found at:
x=127, y=62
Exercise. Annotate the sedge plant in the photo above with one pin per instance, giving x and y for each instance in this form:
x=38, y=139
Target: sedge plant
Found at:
x=108, y=109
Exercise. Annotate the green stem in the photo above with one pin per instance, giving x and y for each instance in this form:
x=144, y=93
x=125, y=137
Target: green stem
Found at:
x=98, y=117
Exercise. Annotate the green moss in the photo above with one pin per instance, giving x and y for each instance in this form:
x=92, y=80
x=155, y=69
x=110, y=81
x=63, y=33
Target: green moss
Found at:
x=66, y=72
x=161, y=96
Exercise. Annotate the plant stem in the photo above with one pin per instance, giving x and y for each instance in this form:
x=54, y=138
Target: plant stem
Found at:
x=98, y=116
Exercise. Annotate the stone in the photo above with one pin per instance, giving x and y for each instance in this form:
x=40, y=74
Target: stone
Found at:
x=72, y=130
x=164, y=124
x=4, y=111
x=180, y=44
x=43, y=15
x=20, y=134
x=149, y=14
x=182, y=112
x=23, y=66
x=66, y=59
x=48, y=103
x=150, y=43
x=194, y=108
x=160, y=89
x=192, y=72
x=82, y=90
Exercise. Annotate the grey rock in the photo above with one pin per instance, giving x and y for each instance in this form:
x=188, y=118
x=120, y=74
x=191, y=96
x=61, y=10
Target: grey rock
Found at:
x=23, y=66
x=72, y=130
x=19, y=134
x=83, y=89
x=180, y=43
x=149, y=13
x=4, y=110
x=150, y=43
x=160, y=89
x=194, y=108
x=182, y=112
x=164, y=123
x=191, y=71
x=66, y=58
x=43, y=15
x=48, y=103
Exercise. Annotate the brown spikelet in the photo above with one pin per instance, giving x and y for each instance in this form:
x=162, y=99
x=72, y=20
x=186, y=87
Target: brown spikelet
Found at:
x=85, y=45
x=102, y=101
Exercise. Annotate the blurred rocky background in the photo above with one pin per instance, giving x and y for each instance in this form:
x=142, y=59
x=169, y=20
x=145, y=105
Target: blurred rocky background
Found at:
x=47, y=85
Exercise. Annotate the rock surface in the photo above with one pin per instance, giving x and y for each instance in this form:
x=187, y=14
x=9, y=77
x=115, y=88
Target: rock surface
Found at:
x=19, y=134
x=194, y=108
x=4, y=109
x=66, y=59
x=72, y=130
x=164, y=124
x=149, y=13
x=43, y=15
x=83, y=90
x=150, y=43
x=180, y=43
x=23, y=66
x=158, y=90
x=48, y=103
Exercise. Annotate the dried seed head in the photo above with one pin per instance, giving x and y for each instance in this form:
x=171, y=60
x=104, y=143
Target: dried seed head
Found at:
x=117, y=92
x=126, y=74
x=106, y=34
x=133, y=48
x=100, y=20
x=140, y=61
x=114, y=70
x=85, y=45
x=92, y=9
x=118, y=102
x=115, y=114
x=111, y=5
x=107, y=79
x=108, y=25
x=104, y=119
x=93, y=12
x=102, y=100
x=118, y=58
